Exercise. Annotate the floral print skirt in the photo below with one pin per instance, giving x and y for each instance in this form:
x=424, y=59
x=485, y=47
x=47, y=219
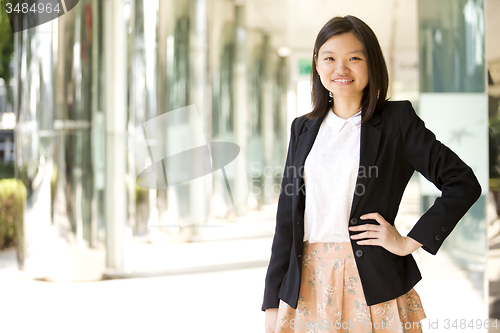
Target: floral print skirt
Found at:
x=331, y=298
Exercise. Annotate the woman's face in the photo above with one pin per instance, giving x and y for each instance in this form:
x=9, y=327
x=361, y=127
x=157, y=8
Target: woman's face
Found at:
x=342, y=66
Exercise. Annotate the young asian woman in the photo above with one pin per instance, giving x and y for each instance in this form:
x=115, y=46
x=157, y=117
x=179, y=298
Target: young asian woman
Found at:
x=337, y=260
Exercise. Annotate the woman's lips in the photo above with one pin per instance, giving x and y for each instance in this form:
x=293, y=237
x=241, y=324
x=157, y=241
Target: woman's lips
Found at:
x=343, y=81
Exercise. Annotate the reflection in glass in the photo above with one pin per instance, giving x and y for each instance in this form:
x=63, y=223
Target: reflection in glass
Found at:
x=222, y=108
x=494, y=187
x=451, y=46
x=453, y=104
x=280, y=115
x=55, y=104
x=256, y=144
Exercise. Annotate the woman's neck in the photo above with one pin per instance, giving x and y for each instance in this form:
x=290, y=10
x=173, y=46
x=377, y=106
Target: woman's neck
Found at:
x=346, y=107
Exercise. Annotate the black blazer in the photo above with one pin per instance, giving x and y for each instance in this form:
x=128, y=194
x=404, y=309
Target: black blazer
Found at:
x=394, y=143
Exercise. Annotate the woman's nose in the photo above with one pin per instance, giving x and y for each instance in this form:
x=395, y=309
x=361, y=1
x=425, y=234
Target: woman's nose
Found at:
x=341, y=68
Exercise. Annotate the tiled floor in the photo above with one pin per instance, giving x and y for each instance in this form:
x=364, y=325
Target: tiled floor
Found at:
x=223, y=293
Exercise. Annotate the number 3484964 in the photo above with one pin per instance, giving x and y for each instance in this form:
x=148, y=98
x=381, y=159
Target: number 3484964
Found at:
x=35, y=8
x=470, y=324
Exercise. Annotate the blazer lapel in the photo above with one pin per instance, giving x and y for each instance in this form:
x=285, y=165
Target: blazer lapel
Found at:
x=369, y=145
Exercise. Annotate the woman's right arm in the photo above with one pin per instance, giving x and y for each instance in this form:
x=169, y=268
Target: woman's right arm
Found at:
x=271, y=320
x=283, y=235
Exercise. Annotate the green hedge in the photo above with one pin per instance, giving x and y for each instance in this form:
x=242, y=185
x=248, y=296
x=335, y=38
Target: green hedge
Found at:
x=6, y=170
x=12, y=201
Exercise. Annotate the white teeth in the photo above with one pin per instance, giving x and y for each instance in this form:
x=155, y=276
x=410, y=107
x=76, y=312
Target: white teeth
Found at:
x=342, y=80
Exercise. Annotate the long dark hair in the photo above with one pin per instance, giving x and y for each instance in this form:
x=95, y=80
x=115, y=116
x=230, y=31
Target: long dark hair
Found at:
x=375, y=92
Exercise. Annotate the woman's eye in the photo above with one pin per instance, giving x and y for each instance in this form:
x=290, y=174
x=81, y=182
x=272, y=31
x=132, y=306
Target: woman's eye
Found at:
x=355, y=58
x=329, y=58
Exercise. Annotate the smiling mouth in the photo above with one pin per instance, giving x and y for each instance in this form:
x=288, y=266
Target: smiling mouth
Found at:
x=343, y=80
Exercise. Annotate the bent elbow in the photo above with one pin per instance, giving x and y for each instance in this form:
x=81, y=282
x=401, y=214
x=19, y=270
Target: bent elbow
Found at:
x=475, y=190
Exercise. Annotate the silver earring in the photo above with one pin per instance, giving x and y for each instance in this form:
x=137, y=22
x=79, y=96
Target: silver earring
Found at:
x=331, y=96
x=378, y=94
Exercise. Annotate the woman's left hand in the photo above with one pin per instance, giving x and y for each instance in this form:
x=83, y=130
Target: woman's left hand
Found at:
x=385, y=235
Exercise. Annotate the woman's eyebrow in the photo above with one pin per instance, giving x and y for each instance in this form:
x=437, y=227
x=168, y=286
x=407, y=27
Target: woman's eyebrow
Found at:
x=331, y=52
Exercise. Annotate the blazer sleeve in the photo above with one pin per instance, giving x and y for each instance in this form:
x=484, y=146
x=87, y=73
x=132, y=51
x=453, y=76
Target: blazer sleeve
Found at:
x=439, y=164
x=283, y=235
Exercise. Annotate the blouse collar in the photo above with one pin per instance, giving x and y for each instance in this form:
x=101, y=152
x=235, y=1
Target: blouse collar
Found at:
x=338, y=123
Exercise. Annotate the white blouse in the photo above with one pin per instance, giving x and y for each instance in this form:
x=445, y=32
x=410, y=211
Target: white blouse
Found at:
x=330, y=174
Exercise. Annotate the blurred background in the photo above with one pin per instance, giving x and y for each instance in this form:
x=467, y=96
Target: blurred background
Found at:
x=84, y=248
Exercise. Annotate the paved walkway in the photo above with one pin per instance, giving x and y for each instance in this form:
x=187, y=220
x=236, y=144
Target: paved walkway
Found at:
x=211, y=286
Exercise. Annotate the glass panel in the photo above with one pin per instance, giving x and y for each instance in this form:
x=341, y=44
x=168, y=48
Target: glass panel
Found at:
x=451, y=46
x=56, y=107
x=223, y=46
x=453, y=104
x=280, y=143
x=255, y=144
